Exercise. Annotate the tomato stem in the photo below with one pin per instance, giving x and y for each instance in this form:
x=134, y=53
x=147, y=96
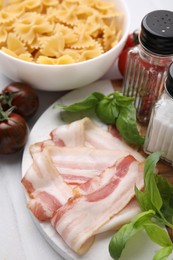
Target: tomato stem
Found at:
x=4, y=115
x=7, y=97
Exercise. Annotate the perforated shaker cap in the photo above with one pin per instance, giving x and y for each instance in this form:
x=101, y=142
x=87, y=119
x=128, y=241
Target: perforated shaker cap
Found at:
x=157, y=32
x=169, y=80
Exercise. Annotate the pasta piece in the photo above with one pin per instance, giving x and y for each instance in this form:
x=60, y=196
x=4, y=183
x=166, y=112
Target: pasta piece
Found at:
x=116, y=40
x=10, y=13
x=84, y=12
x=69, y=35
x=67, y=15
x=14, y=1
x=106, y=9
x=84, y=39
x=55, y=46
x=91, y=52
x=30, y=26
x=58, y=31
x=1, y=3
x=15, y=45
x=51, y=14
x=23, y=56
x=33, y=5
x=42, y=40
x=50, y=3
x=65, y=59
x=46, y=60
x=108, y=37
x=76, y=56
x=11, y=53
x=26, y=57
x=3, y=34
x=93, y=25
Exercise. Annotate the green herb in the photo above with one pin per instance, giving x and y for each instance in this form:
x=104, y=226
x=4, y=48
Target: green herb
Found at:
x=163, y=253
x=126, y=125
x=112, y=109
x=119, y=240
x=107, y=111
x=154, y=196
x=88, y=103
x=157, y=203
x=166, y=191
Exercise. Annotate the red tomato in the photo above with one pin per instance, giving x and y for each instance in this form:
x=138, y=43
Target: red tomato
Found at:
x=132, y=40
x=22, y=96
x=122, y=61
x=13, y=133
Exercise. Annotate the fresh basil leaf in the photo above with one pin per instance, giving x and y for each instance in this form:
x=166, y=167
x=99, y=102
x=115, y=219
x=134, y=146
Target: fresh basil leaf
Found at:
x=150, y=166
x=143, y=218
x=98, y=95
x=158, y=234
x=154, y=193
x=120, y=238
x=143, y=200
x=149, y=180
x=107, y=111
x=126, y=124
x=163, y=253
x=122, y=101
x=166, y=191
x=86, y=104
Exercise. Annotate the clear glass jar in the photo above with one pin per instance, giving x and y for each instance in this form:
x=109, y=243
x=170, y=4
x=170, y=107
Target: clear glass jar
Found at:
x=159, y=136
x=147, y=63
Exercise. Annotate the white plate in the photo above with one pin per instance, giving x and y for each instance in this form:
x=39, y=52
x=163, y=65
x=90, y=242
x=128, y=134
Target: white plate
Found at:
x=140, y=247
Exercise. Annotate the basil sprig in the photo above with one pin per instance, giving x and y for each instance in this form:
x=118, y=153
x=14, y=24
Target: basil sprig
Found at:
x=156, y=202
x=155, y=196
x=119, y=240
x=112, y=109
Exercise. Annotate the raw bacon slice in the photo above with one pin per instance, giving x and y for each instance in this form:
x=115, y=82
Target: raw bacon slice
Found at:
x=79, y=164
x=82, y=217
x=46, y=187
x=86, y=133
x=123, y=217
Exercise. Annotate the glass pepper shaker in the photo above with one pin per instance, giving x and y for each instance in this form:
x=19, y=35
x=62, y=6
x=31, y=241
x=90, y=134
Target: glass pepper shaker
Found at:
x=147, y=63
x=159, y=136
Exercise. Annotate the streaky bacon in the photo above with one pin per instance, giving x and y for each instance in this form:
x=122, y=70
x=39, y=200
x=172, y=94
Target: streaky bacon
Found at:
x=46, y=187
x=121, y=218
x=82, y=217
x=97, y=165
x=79, y=164
x=85, y=132
x=105, y=182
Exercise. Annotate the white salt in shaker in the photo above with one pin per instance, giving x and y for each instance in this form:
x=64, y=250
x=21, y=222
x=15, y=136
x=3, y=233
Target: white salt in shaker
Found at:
x=159, y=135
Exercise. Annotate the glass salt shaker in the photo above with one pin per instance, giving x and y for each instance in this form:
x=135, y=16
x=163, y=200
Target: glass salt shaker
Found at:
x=159, y=136
x=147, y=63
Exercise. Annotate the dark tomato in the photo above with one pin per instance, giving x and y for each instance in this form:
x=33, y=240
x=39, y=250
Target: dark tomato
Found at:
x=23, y=97
x=132, y=40
x=13, y=133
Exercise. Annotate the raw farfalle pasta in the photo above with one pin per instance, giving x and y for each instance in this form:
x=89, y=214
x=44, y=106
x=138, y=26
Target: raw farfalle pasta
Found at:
x=54, y=47
x=58, y=32
x=3, y=34
x=30, y=26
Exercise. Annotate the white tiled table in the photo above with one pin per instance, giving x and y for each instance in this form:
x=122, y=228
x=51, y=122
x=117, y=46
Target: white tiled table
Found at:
x=19, y=237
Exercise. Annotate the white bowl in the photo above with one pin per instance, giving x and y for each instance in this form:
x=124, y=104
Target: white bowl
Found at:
x=65, y=77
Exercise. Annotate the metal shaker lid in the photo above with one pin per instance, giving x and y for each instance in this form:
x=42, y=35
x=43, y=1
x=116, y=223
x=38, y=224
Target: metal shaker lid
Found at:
x=157, y=32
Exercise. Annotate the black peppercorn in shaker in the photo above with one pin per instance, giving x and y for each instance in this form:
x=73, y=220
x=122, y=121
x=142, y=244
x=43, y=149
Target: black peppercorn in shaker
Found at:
x=147, y=63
